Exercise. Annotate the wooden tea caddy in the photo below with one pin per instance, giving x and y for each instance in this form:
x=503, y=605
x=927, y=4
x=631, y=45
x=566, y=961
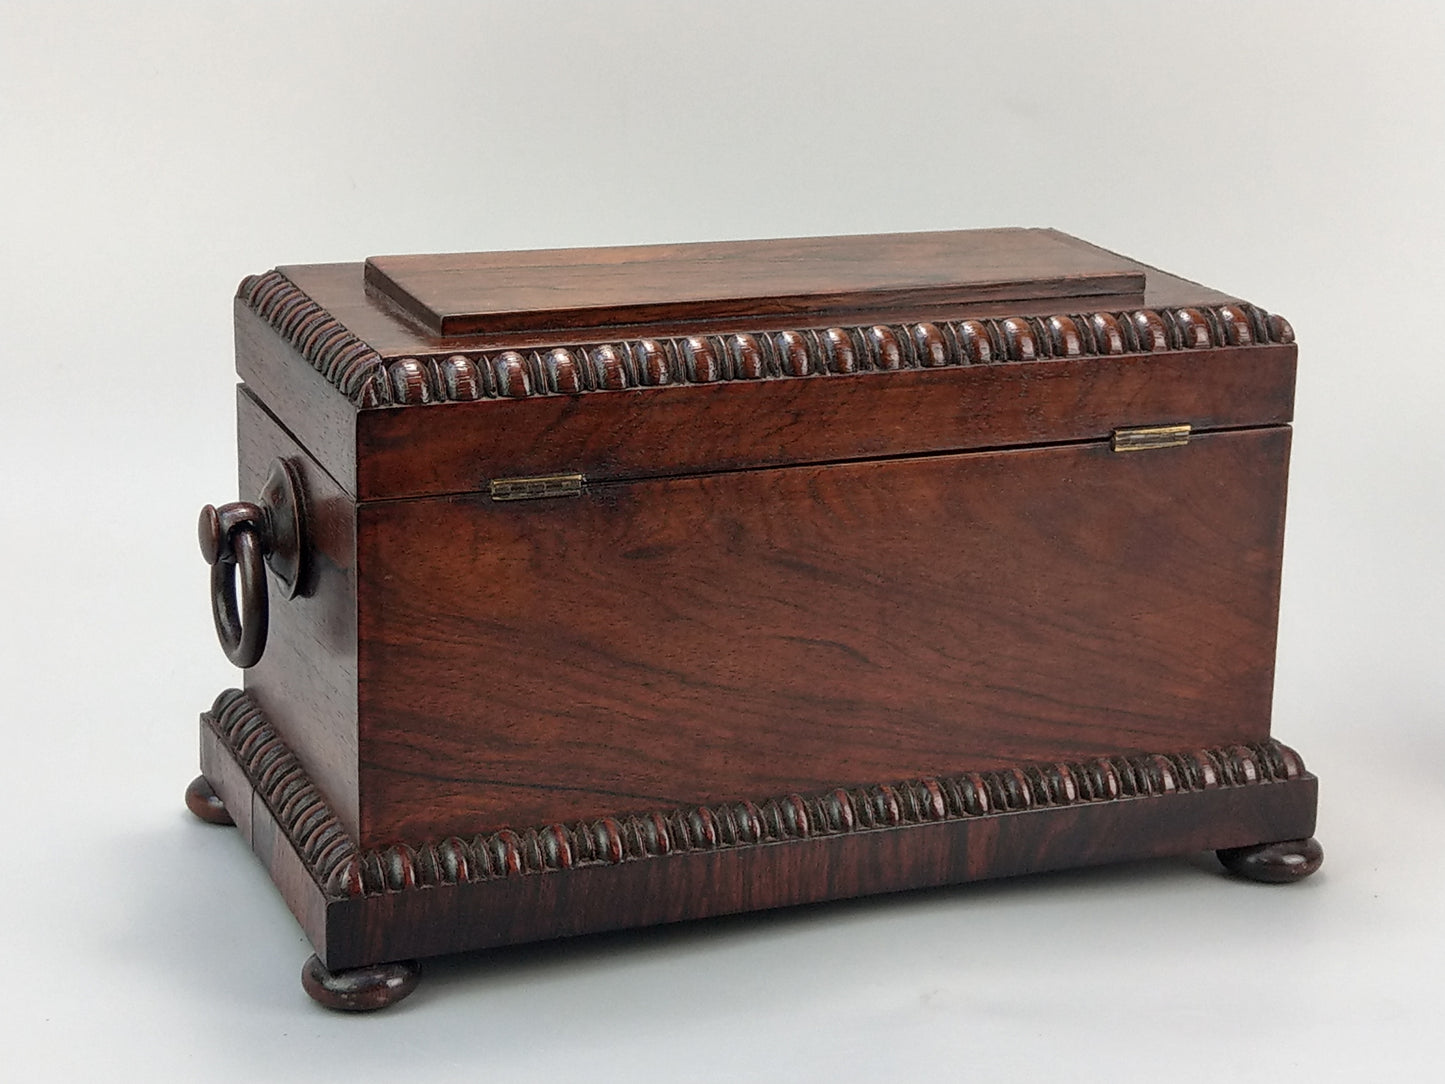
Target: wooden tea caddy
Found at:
x=623, y=586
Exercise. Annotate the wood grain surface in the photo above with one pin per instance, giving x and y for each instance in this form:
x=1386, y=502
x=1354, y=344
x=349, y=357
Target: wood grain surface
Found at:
x=306, y=405
x=306, y=678
x=641, y=407
x=340, y=289
x=456, y=448
x=465, y=917
x=844, y=606
x=479, y=292
x=690, y=640
x=405, y=901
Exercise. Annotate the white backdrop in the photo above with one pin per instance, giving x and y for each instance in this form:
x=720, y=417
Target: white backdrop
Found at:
x=152, y=154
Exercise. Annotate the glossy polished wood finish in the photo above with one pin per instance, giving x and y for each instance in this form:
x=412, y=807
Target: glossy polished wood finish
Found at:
x=308, y=406
x=359, y=989
x=811, y=626
x=1275, y=863
x=306, y=680
x=658, y=432
x=675, y=404
x=854, y=596
x=361, y=359
x=480, y=292
x=202, y=800
x=417, y=899
x=339, y=291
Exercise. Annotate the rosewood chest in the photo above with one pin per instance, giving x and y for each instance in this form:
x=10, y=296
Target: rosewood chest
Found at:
x=587, y=589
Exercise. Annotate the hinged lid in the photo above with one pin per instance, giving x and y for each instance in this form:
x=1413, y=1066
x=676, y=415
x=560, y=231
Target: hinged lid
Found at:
x=425, y=375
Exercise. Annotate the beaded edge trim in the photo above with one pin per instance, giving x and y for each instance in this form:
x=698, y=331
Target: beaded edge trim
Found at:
x=345, y=872
x=368, y=380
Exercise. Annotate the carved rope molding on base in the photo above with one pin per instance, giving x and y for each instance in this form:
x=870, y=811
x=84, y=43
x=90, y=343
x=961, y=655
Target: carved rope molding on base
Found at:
x=364, y=377
x=281, y=782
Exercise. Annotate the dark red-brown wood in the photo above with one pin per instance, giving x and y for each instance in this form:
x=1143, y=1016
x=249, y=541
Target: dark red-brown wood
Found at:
x=360, y=909
x=360, y=989
x=205, y=804
x=477, y=916
x=306, y=679
x=340, y=289
x=1283, y=862
x=654, y=432
x=480, y=292
x=332, y=361
x=1189, y=356
x=686, y=640
x=857, y=595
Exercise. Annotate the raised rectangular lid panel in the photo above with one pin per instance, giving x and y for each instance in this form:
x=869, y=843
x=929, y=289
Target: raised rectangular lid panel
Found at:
x=488, y=292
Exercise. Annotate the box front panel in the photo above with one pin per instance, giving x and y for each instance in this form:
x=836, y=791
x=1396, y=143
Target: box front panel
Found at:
x=755, y=633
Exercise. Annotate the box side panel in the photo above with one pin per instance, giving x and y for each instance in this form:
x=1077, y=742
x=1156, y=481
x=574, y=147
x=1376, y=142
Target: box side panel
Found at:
x=694, y=640
x=305, y=681
x=308, y=406
x=257, y=825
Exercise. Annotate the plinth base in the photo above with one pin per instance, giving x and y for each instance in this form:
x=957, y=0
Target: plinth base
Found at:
x=365, y=909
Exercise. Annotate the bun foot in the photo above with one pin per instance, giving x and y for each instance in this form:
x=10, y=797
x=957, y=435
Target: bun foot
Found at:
x=1274, y=863
x=205, y=803
x=359, y=989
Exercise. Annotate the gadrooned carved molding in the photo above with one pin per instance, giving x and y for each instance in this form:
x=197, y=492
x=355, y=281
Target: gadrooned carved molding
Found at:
x=365, y=378
x=352, y=367
x=277, y=777
x=344, y=872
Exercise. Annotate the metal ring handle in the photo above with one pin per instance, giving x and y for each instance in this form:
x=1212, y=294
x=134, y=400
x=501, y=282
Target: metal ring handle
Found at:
x=241, y=626
x=242, y=539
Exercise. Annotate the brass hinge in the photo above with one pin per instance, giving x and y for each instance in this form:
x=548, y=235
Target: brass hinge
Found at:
x=1149, y=436
x=538, y=488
